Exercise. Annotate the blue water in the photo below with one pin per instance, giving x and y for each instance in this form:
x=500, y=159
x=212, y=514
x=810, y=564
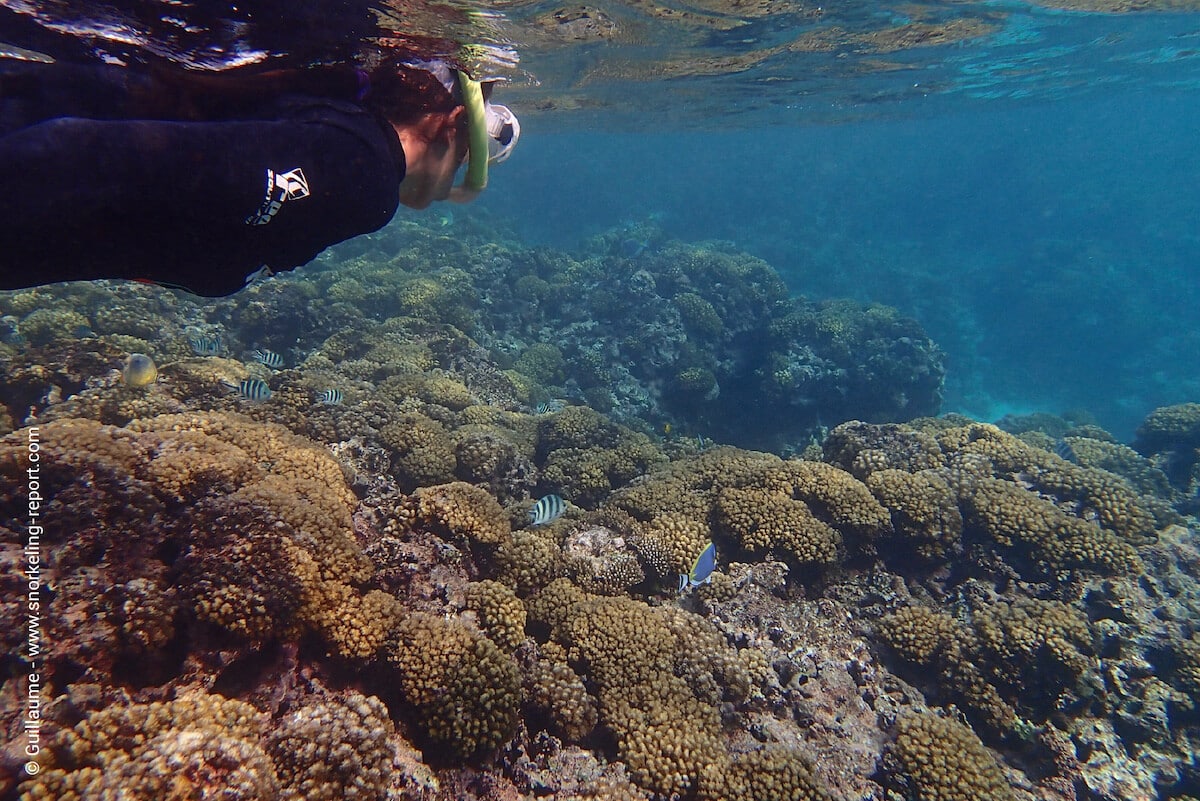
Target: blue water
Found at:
x=1050, y=248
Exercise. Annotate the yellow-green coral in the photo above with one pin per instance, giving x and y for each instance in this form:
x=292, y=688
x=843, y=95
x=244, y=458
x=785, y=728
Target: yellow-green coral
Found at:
x=335, y=748
x=921, y=635
x=269, y=548
x=833, y=494
x=465, y=690
x=542, y=362
x=1170, y=427
x=660, y=674
x=924, y=510
x=698, y=315
x=587, y=456
x=678, y=538
x=501, y=613
x=1033, y=643
x=42, y=326
x=946, y=761
x=773, y=773
x=1018, y=519
x=761, y=521
x=558, y=692
x=422, y=450
x=458, y=510
x=196, y=746
x=944, y=648
x=530, y=560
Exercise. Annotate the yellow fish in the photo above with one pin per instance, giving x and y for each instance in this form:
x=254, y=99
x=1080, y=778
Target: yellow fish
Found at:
x=139, y=371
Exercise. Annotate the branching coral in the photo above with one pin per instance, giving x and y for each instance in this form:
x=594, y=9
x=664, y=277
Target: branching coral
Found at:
x=945, y=761
x=1028, y=652
x=586, y=456
x=458, y=510
x=659, y=676
x=501, y=613
x=196, y=746
x=761, y=521
x=259, y=528
x=466, y=691
x=558, y=692
x=1048, y=516
x=924, y=510
x=422, y=450
x=1017, y=519
x=530, y=560
x=333, y=748
x=943, y=647
x=1033, y=645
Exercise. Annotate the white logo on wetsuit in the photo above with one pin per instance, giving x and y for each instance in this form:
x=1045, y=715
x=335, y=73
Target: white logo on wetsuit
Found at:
x=281, y=186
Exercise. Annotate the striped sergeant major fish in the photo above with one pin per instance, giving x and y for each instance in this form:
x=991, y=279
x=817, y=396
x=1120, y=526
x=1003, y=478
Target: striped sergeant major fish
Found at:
x=269, y=357
x=547, y=510
x=1063, y=450
x=254, y=389
x=205, y=346
x=552, y=406
x=702, y=570
x=330, y=397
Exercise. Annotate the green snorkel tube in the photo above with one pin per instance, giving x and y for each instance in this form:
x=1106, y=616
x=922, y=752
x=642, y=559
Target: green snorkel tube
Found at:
x=477, y=134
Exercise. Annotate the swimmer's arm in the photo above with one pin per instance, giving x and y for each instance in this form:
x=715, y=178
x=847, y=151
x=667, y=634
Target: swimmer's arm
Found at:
x=108, y=189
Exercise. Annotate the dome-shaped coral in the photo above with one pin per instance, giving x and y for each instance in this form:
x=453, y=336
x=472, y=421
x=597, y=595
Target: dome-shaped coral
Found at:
x=464, y=689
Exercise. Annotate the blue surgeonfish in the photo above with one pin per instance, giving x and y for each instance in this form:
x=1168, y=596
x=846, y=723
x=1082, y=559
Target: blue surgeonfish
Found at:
x=702, y=569
x=547, y=510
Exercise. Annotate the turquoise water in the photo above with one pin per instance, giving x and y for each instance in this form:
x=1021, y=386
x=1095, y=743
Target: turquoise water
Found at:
x=1050, y=248
x=297, y=538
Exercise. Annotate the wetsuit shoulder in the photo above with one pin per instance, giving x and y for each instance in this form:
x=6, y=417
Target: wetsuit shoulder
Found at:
x=199, y=204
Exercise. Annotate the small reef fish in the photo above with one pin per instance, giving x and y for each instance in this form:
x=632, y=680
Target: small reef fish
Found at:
x=703, y=442
x=632, y=248
x=205, y=346
x=551, y=406
x=139, y=371
x=702, y=570
x=10, y=332
x=547, y=510
x=254, y=389
x=268, y=357
x=330, y=397
x=1063, y=450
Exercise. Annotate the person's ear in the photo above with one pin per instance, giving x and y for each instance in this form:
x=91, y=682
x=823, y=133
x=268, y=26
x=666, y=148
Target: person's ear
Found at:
x=456, y=118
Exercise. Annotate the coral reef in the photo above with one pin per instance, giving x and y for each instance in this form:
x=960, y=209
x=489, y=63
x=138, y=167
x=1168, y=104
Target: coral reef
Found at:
x=437, y=659
x=935, y=609
x=946, y=761
x=199, y=745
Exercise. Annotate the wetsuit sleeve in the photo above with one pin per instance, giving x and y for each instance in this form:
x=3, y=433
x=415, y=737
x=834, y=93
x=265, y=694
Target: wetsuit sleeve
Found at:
x=198, y=204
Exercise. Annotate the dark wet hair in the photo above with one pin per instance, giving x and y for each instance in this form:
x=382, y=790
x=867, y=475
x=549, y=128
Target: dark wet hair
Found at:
x=395, y=91
x=400, y=93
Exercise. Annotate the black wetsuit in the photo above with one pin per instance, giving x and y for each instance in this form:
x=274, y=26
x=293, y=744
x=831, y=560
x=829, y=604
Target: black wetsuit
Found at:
x=98, y=182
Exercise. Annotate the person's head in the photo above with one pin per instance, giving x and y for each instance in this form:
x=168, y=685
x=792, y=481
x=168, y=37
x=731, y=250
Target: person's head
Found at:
x=434, y=112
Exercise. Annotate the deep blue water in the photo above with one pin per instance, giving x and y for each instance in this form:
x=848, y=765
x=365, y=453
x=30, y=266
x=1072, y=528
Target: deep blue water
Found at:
x=1051, y=249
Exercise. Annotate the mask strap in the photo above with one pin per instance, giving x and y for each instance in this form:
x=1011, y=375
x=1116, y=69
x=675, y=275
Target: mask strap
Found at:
x=477, y=134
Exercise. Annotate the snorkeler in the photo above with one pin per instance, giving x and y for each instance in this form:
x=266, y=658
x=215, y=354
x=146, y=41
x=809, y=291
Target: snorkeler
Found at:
x=200, y=181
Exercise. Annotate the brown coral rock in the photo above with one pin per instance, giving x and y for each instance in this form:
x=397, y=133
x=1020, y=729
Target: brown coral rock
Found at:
x=947, y=762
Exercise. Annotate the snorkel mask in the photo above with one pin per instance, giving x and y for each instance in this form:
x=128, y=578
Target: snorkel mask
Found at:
x=492, y=130
x=492, y=133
